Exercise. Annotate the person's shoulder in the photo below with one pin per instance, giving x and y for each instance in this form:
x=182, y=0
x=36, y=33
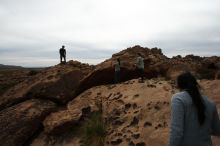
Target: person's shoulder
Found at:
x=208, y=101
x=180, y=96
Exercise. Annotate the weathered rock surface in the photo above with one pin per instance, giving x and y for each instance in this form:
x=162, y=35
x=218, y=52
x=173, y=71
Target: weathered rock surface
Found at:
x=56, y=83
x=156, y=65
x=19, y=123
x=136, y=113
x=11, y=77
x=69, y=138
x=76, y=109
x=217, y=75
x=104, y=72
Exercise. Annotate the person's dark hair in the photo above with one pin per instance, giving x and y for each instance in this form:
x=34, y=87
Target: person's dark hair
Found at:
x=63, y=46
x=119, y=61
x=186, y=81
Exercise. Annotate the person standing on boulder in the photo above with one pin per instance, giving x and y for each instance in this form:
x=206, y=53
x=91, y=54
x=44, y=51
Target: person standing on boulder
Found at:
x=140, y=66
x=117, y=67
x=62, y=54
x=194, y=118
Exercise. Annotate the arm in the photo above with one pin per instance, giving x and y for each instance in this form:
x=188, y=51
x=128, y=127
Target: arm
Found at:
x=137, y=61
x=215, y=123
x=177, y=122
x=112, y=65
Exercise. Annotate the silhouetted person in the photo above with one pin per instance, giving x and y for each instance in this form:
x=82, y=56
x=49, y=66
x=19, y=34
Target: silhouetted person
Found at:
x=62, y=54
x=117, y=67
x=194, y=118
x=140, y=66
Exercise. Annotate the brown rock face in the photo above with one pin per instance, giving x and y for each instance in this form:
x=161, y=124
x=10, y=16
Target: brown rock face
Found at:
x=56, y=83
x=18, y=123
x=61, y=90
x=11, y=77
x=217, y=75
x=201, y=67
x=104, y=72
x=156, y=65
x=126, y=112
x=51, y=107
x=135, y=113
x=76, y=110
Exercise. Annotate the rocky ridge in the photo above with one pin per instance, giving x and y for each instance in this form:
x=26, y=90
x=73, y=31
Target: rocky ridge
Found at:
x=54, y=103
x=140, y=116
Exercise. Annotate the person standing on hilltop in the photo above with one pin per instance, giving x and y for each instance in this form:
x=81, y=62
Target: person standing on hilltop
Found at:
x=117, y=67
x=140, y=66
x=194, y=118
x=62, y=54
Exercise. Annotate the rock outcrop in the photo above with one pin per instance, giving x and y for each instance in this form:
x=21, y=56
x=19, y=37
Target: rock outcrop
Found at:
x=135, y=113
x=104, y=72
x=156, y=65
x=202, y=67
x=51, y=107
x=76, y=110
x=56, y=83
x=11, y=77
x=19, y=123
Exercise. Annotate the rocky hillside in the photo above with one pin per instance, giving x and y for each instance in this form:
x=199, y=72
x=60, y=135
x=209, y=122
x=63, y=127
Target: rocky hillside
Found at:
x=156, y=65
x=135, y=114
x=11, y=77
x=2, y=66
x=75, y=104
x=56, y=83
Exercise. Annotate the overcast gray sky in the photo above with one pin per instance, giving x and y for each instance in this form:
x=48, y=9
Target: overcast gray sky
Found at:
x=32, y=31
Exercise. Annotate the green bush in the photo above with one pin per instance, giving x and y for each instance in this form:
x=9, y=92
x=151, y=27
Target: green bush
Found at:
x=94, y=130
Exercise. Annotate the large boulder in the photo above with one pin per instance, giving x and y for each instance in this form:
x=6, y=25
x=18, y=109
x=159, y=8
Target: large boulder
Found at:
x=134, y=113
x=125, y=112
x=56, y=83
x=104, y=72
x=11, y=77
x=217, y=75
x=21, y=122
x=77, y=109
x=202, y=67
x=156, y=65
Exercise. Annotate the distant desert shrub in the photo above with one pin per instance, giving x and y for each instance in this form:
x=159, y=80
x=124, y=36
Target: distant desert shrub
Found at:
x=94, y=130
x=33, y=72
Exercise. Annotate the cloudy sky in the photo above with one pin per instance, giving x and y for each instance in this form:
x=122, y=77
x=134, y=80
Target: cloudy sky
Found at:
x=32, y=31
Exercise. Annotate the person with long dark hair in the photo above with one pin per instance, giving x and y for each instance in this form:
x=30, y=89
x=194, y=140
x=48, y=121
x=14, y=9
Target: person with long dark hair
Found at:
x=194, y=118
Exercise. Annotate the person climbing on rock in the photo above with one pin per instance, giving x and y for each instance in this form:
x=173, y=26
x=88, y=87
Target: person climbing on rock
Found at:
x=194, y=118
x=140, y=66
x=62, y=54
x=117, y=67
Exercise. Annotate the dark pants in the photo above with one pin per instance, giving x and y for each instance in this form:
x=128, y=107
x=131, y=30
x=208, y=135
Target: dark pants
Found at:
x=117, y=77
x=141, y=73
x=62, y=57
